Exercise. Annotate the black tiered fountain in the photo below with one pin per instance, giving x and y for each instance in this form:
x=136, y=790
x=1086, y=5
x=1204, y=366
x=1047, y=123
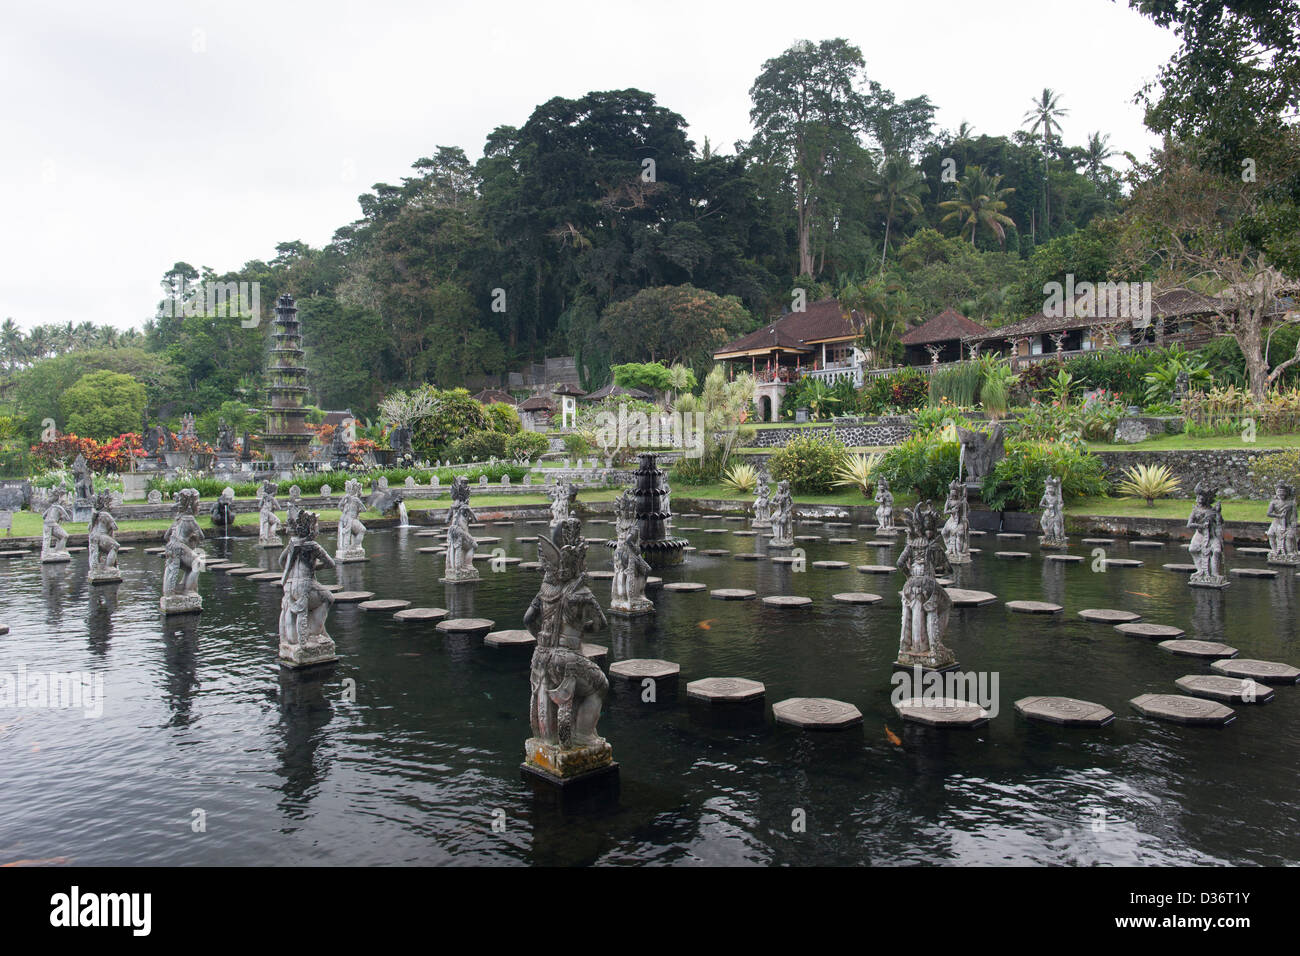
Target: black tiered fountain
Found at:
x=653, y=514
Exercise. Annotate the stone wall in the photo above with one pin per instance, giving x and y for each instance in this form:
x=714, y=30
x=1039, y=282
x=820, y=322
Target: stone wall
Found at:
x=887, y=430
x=1231, y=470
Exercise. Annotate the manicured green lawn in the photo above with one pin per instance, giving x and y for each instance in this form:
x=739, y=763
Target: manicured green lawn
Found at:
x=1213, y=442
x=848, y=496
x=1163, y=508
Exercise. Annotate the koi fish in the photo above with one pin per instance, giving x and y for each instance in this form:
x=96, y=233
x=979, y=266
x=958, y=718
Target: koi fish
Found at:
x=892, y=737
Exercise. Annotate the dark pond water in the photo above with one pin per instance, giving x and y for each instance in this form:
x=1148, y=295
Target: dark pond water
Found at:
x=198, y=716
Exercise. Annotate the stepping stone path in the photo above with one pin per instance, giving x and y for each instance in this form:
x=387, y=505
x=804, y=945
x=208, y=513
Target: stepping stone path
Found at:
x=1034, y=607
x=1103, y=615
x=428, y=534
x=600, y=575
x=1121, y=563
x=513, y=638
x=527, y=539
x=1160, y=631
x=1198, y=648
x=1097, y=540
x=594, y=651
x=944, y=712
x=1065, y=558
x=787, y=601
x=785, y=559
x=265, y=576
x=486, y=540
x=654, y=583
x=831, y=565
x=844, y=541
x=151, y=550
x=807, y=537
x=961, y=597
x=734, y=518
x=745, y=534
x=1010, y=536
x=684, y=586
x=1254, y=552
x=816, y=713
x=1253, y=572
x=877, y=568
x=732, y=594
x=531, y=566
x=1183, y=710
x=856, y=597
x=1143, y=543
x=715, y=552
x=725, y=690
x=1065, y=711
x=466, y=625
x=245, y=572
x=714, y=531
x=839, y=524
x=415, y=614
x=638, y=669
x=1271, y=671
x=384, y=604
x=1180, y=568
x=748, y=557
x=881, y=544
x=1230, y=690
x=433, y=550
x=1010, y=555
x=352, y=597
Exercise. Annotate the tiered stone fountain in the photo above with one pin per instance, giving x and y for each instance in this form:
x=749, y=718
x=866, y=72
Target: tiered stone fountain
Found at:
x=653, y=514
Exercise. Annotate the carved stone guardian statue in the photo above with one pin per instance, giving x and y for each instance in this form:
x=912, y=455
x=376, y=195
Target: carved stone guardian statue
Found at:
x=926, y=604
x=762, y=505
x=627, y=590
x=884, y=508
x=267, y=523
x=54, y=540
x=563, y=495
x=184, y=560
x=1282, y=529
x=460, y=540
x=782, y=517
x=1053, y=519
x=567, y=689
x=1206, y=522
x=223, y=512
x=956, y=530
x=305, y=604
x=101, y=545
x=351, y=530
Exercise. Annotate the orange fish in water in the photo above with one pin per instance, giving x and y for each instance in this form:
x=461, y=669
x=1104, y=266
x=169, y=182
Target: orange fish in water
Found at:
x=893, y=737
x=706, y=625
x=53, y=859
x=1138, y=593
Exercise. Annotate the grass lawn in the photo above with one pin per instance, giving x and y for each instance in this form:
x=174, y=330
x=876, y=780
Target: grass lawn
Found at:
x=1213, y=442
x=1163, y=508
x=847, y=496
x=870, y=449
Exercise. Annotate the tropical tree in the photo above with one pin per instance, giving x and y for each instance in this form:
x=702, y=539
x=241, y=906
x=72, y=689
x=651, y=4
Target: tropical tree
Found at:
x=897, y=189
x=1044, y=116
x=1096, y=153
x=980, y=202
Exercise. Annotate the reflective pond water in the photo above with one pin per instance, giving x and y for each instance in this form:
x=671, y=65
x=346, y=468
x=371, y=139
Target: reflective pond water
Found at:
x=200, y=725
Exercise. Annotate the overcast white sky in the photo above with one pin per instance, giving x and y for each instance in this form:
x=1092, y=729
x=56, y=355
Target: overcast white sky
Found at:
x=138, y=134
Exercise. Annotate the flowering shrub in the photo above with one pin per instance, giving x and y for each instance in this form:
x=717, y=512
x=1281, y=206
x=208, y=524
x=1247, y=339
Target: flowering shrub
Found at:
x=1018, y=480
x=113, y=455
x=809, y=464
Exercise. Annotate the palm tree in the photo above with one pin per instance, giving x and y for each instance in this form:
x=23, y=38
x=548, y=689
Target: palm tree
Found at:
x=1045, y=114
x=979, y=202
x=1096, y=153
x=11, y=343
x=898, y=189
x=876, y=300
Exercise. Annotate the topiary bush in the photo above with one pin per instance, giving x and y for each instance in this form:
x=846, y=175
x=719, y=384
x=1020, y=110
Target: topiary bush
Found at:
x=478, y=446
x=526, y=446
x=504, y=418
x=809, y=463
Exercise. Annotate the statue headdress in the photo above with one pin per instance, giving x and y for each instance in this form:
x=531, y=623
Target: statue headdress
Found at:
x=187, y=501
x=304, y=525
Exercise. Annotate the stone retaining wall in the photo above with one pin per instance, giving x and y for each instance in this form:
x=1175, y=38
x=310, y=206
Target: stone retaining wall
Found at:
x=1229, y=470
x=887, y=430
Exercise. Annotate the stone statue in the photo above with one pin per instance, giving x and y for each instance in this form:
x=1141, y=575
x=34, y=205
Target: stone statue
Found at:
x=150, y=440
x=83, y=482
x=180, y=594
x=305, y=604
x=1206, y=522
x=351, y=530
x=340, y=447
x=54, y=539
x=1053, y=520
x=189, y=434
x=383, y=499
x=884, y=508
x=246, y=448
x=563, y=494
x=627, y=590
x=762, y=505
x=1182, y=386
x=225, y=437
x=1282, y=531
x=101, y=545
x=567, y=690
x=460, y=541
x=294, y=506
x=956, y=530
x=223, y=512
x=926, y=604
x=782, y=517
x=267, y=523
x=399, y=439
x=981, y=451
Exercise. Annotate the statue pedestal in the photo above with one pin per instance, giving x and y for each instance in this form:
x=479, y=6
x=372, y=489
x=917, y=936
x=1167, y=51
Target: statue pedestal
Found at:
x=959, y=558
x=760, y=524
x=272, y=542
x=780, y=544
x=1053, y=544
x=467, y=576
x=938, y=662
x=1283, y=560
x=181, y=603
x=62, y=557
x=1208, y=581
x=562, y=768
x=350, y=556
x=318, y=650
x=633, y=608
x=81, y=510
x=110, y=576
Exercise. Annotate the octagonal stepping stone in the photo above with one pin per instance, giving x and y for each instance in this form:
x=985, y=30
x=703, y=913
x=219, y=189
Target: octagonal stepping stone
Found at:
x=1198, y=648
x=715, y=552
x=245, y=572
x=807, y=537
x=733, y=518
x=843, y=540
x=785, y=559
x=1011, y=555
x=877, y=568
x=942, y=712
x=1254, y=552
x=1146, y=543
x=810, y=520
x=684, y=586
x=432, y=550
x=687, y=550
x=507, y=561
x=596, y=540
x=748, y=556
x=711, y=517
x=466, y=625
x=732, y=594
x=384, y=604
x=1102, y=615
x=880, y=543
x=839, y=524
x=688, y=514
x=638, y=669
x=155, y=550
x=945, y=582
x=964, y=597
x=265, y=576
x=831, y=565
x=476, y=524
x=594, y=652
x=352, y=597
x=1272, y=671
x=1034, y=607
x=428, y=534
x=600, y=575
x=1180, y=568
x=487, y=540
x=685, y=528
x=1154, y=631
x=1066, y=558
x=416, y=614
x=503, y=524
x=653, y=582
x=816, y=713
x=745, y=534
x=1010, y=536
x=531, y=566
x=537, y=522
x=1253, y=572
x=333, y=588
x=787, y=601
x=1229, y=690
x=127, y=549
x=725, y=690
x=1121, y=563
x=1065, y=711
x=1097, y=540
x=856, y=597
x=1180, y=709
x=511, y=638
x=527, y=539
